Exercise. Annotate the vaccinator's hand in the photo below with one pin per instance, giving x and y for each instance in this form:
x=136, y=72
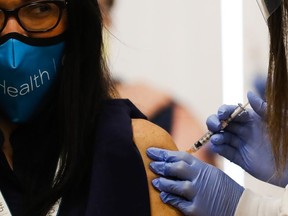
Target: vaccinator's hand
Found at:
x=245, y=141
x=192, y=186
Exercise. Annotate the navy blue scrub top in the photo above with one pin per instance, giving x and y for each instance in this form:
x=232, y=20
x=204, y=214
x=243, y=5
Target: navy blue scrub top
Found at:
x=117, y=184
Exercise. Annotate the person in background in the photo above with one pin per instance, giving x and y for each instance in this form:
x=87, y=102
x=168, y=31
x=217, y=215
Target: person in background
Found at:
x=257, y=141
x=161, y=108
x=65, y=136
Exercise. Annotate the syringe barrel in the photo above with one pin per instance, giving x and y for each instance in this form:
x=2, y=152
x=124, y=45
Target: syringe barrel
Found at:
x=205, y=138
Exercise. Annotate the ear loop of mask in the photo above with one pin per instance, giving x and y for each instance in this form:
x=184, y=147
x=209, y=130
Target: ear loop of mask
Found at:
x=268, y=7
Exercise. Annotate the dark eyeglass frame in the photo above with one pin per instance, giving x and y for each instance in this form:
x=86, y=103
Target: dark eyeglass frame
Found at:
x=14, y=12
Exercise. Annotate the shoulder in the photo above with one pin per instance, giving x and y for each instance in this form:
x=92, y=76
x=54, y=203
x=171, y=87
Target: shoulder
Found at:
x=145, y=135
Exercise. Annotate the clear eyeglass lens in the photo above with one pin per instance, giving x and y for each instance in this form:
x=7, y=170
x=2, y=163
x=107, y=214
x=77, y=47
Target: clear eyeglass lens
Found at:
x=39, y=16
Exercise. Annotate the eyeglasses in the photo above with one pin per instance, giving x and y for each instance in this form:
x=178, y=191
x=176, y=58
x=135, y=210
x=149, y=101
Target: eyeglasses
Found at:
x=35, y=17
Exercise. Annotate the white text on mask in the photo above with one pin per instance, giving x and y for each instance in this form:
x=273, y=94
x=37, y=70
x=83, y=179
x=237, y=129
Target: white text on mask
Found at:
x=34, y=82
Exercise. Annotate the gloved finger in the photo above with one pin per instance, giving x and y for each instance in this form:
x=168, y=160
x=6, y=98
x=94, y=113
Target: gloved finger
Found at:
x=225, y=111
x=238, y=129
x=217, y=139
x=257, y=103
x=184, y=189
x=213, y=123
x=227, y=151
x=227, y=139
x=179, y=169
x=259, y=83
x=186, y=207
x=159, y=154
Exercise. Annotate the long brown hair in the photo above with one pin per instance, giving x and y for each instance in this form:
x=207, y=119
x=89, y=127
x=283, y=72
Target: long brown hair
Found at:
x=277, y=86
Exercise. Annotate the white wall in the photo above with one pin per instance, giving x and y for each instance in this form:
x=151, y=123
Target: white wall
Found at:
x=256, y=42
x=172, y=44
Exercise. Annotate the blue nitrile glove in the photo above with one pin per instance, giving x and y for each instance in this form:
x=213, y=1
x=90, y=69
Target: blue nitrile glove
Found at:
x=197, y=188
x=245, y=141
x=259, y=84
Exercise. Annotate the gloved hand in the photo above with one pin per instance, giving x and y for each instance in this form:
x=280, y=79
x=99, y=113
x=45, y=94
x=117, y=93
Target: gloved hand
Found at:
x=197, y=188
x=245, y=141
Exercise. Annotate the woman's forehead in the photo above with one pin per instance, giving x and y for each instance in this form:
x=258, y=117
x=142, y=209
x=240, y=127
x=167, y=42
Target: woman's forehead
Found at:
x=11, y=4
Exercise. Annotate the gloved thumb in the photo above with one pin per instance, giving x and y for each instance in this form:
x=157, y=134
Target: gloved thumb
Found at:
x=257, y=103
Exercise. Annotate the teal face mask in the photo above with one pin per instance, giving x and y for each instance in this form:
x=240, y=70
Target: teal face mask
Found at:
x=28, y=70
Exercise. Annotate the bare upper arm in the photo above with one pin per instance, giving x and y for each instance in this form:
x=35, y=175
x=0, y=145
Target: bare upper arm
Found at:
x=147, y=134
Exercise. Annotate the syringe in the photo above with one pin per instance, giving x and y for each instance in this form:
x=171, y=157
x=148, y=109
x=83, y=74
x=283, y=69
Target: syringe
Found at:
x=205, y=138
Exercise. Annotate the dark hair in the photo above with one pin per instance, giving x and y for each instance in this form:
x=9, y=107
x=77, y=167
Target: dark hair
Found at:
x=84, y=85
x=277, y=86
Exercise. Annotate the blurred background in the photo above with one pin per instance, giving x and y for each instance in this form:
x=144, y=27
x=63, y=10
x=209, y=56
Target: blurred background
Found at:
x=204, y=53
